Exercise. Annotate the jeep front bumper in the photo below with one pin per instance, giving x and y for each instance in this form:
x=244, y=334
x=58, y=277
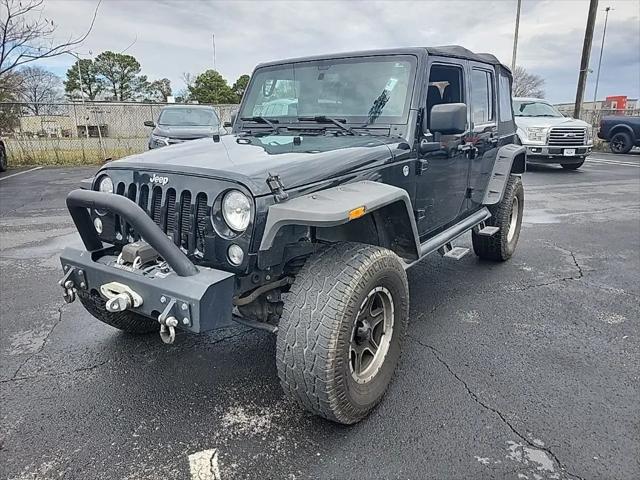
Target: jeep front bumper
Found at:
x=197, y=298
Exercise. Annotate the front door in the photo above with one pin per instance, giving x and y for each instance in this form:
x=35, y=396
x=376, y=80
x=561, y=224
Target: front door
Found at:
x=484, y=129
x=444, y=170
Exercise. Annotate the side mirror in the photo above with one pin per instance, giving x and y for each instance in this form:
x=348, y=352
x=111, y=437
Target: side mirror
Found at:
x=449, y=118
x=233, y=120
x=149, y=123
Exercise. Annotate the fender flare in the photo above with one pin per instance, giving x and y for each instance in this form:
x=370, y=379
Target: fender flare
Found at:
x=502, y=168
x=331, y=207
x=618, y=127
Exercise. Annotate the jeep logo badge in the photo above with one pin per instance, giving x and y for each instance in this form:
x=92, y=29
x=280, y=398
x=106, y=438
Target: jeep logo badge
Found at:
x=159, y=180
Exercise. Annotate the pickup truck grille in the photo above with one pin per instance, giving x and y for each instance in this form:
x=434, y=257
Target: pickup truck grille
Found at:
x=181, y=215
x=567, y=136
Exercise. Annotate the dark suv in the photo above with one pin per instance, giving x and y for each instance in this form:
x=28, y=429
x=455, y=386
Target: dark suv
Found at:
x=304, y=222
x=180, y=123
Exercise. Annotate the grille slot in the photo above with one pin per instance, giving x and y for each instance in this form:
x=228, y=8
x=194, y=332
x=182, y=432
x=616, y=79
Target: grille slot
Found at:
x=170, y=218
x=182, y=215
x=144, y=198
x=185, y=220
x=201, y=220
x=156, y=205
x=567, y=136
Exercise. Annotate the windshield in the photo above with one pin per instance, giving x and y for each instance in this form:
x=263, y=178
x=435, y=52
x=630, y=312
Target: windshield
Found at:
x=530, y=108
x=354, y=90
x=188, y=117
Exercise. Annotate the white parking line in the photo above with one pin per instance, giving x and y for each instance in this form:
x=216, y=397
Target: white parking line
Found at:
x=20, y=173
x=204, y=465
x=613, y=162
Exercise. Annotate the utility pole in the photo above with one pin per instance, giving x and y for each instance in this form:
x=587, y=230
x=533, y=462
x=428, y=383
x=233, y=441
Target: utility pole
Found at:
x=515, y=38
x=604, y=33
x=586, y=51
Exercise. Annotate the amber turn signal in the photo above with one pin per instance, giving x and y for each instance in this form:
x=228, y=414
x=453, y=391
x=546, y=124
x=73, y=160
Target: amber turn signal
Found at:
x=356, y=213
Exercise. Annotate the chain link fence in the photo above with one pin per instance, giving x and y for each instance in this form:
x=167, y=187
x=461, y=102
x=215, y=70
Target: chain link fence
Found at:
x=92, y=132
x=79, y=133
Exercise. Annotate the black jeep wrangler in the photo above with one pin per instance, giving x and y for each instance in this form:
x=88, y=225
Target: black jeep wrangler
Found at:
x=340, y=173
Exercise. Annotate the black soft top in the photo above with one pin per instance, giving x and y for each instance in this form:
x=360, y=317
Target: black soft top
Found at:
x=446, y=51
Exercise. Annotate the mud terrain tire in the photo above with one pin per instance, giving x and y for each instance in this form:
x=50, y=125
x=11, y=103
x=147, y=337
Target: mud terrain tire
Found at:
x=502, y=245
x=322, y=327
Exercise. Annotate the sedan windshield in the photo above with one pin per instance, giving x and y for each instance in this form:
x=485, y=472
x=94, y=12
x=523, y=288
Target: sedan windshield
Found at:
x=354, y=90
x=188, y=117
x=531, y=108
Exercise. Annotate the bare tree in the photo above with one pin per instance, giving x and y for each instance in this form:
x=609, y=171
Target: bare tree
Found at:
x=40, y=89
x=27, y=36
x=527, y=84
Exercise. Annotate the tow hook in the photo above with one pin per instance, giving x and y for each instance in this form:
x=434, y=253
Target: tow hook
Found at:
x=68, y=287
x=168, y=323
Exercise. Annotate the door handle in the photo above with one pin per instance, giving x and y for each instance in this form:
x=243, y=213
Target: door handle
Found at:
x=493, y=141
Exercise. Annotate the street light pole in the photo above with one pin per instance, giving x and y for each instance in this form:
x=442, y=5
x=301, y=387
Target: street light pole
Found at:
x=515, y=38
x=604, y=33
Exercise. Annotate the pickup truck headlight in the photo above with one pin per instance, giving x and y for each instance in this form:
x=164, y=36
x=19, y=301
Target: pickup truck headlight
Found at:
x=236, y=210
x=589, y=135
x=537, y=134
x=105, y=185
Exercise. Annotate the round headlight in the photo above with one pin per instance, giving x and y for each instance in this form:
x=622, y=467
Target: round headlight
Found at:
x=236, y=210
x=105, y=185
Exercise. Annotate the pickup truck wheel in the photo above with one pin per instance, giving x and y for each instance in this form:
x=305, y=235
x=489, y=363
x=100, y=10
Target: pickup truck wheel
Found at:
x=508, y=216
x=341, y=331
x=621, y=143
x=127, y=321
x=3, y=159
x=572, y=166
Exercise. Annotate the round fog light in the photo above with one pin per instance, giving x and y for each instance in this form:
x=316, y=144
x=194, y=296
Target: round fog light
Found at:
x=98, y=224
x=235, y=254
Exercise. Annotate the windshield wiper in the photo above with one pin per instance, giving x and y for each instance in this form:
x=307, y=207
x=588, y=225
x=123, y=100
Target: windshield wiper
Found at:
x=339, y=122
x=258, y=119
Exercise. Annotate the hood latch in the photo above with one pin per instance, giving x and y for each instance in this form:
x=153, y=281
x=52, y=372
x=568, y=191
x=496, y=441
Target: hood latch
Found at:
x=277, y=188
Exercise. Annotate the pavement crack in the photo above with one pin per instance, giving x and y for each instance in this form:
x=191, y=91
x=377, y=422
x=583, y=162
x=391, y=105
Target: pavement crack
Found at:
x=44, y=343
x=578, y=275
x=438, y=356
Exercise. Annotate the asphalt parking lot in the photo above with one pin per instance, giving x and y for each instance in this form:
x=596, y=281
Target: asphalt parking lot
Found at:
x=526, y=370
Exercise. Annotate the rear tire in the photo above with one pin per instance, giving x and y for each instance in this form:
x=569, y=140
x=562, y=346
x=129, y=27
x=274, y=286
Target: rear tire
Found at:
x=621, y=143
x=341, y=332
x=127, y=321
x=508, y=216
x=572, y=166
x=3, y=159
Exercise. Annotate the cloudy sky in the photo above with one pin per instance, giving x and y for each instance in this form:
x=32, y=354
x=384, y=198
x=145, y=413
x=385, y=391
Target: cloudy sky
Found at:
x=172, y=37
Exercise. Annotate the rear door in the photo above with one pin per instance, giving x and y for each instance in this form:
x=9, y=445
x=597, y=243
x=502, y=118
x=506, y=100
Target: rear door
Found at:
x=484, y=129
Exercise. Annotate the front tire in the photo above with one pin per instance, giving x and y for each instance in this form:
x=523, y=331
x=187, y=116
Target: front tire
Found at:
x=508, y=216
x=621, y=143
x=341, y=331
x=572, y=166
x=127, y=321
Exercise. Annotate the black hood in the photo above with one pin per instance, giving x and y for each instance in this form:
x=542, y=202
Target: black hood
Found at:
x=250, y=159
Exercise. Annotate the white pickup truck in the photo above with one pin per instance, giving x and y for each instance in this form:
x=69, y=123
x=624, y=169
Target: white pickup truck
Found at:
x=549, y=136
